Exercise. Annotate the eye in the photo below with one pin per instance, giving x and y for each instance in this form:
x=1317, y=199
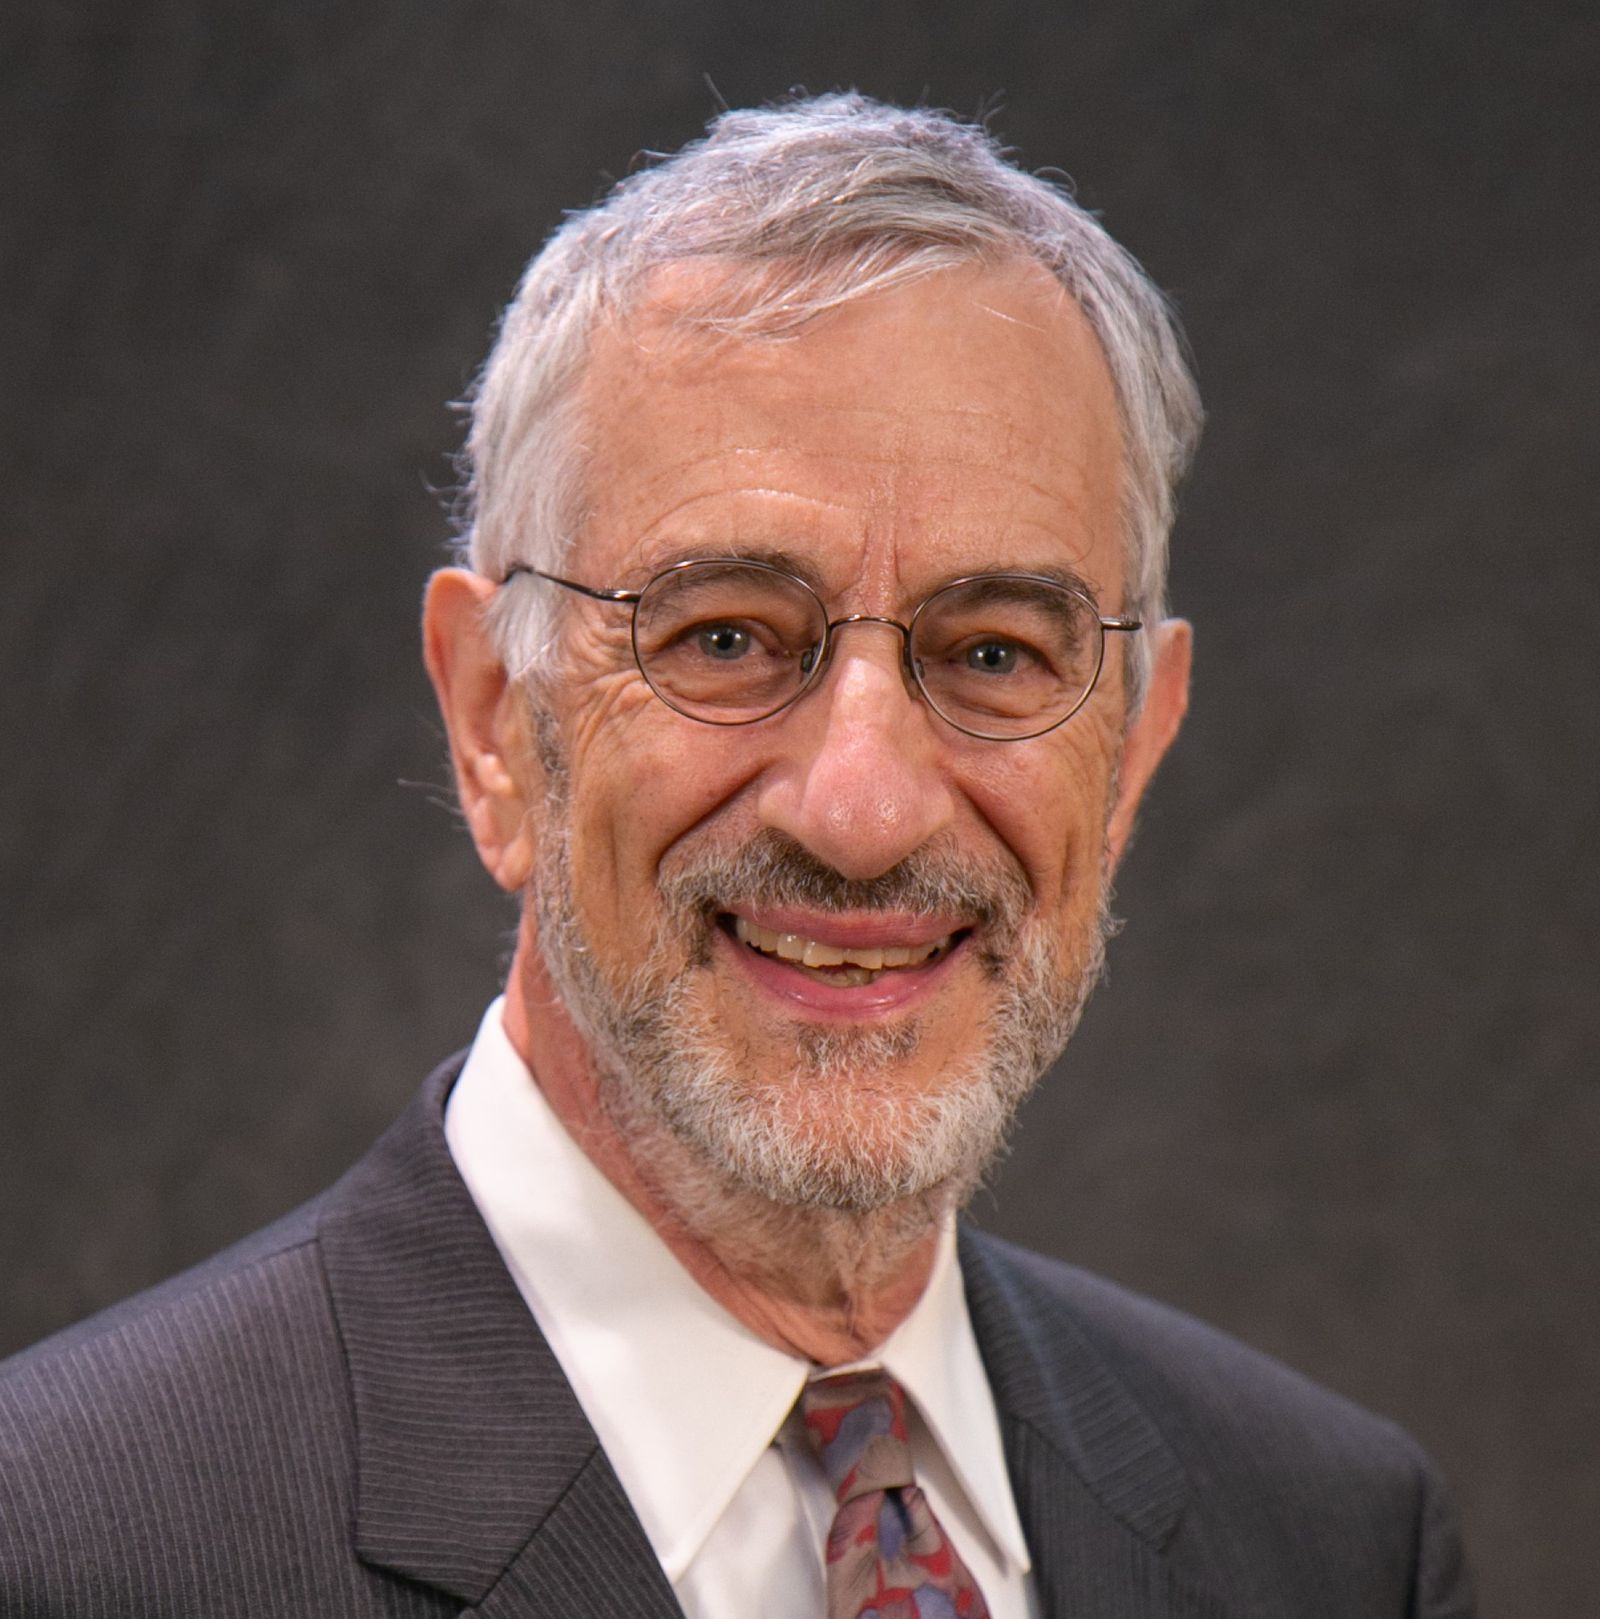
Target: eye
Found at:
x=993, y=657
x=725, y=642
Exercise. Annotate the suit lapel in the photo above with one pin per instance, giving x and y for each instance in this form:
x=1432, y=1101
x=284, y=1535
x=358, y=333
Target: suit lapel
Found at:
x=477, y=1471
x=479, y=1475
x=590, y=1556
x=1099, y=1492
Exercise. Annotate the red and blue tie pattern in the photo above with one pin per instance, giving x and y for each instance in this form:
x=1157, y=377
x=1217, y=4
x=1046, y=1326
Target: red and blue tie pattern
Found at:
x=888, y=1557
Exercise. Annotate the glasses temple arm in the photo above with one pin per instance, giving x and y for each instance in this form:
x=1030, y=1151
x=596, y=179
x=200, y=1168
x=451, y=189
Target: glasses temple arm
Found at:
x=626, y=596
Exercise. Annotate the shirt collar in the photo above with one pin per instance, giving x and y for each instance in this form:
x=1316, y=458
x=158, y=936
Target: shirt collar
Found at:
x=684, y=1398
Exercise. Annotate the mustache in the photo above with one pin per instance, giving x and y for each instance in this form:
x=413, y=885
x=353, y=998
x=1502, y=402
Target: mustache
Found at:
x=774, y=869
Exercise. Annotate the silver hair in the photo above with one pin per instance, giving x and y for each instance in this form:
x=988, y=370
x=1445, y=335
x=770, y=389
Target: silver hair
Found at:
x=827, y=200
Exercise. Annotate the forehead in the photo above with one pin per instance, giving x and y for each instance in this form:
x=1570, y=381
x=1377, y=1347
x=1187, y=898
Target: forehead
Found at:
x=965, y=420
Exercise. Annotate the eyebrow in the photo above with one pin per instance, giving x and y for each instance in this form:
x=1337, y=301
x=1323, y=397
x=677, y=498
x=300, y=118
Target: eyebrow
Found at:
x=801, y=568
x=1056, y=573
x=772, y=556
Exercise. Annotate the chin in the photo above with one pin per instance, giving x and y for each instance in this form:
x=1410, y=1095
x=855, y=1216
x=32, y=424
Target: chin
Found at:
x=848, y=1129
x=820, y=1114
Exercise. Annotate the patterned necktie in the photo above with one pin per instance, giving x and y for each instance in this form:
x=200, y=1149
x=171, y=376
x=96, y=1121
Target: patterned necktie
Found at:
x=888, y=1558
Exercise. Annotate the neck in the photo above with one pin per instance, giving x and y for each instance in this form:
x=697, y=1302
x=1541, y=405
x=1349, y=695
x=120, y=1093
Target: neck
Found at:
x=825, y=1284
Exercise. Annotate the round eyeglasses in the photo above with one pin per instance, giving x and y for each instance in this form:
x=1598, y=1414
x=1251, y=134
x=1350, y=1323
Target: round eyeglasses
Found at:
x=1000, y=656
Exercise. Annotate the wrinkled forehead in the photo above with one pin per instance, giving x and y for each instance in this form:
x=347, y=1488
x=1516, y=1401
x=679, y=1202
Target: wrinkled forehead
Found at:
x=696, y=317
x=970, y=397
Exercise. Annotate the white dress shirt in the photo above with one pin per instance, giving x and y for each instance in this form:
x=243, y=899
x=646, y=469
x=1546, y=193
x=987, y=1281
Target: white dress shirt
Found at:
x=695, y=1412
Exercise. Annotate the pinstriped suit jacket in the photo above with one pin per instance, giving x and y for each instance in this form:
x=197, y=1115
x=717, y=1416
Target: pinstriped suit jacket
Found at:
x=353, y=1414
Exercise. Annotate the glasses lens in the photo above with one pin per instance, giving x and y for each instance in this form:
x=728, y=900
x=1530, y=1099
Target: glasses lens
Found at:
x=727, y=641
x=1005, y=655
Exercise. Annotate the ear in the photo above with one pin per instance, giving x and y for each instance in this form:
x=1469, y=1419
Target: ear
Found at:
x=484, y=714
x=1166, y=700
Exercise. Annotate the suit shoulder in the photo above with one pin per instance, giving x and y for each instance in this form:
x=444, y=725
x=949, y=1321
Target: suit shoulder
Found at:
x=1206, y=1390
x=194, y=1449
x=146, y=1409
x=1247, y=1472
x=184, y=1293
x=212, y=1412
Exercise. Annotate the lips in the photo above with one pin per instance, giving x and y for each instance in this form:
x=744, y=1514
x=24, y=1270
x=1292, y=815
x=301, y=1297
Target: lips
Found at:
x=841, y=962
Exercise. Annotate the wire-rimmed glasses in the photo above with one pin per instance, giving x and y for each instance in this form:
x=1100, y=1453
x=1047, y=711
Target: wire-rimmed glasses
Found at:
x=729, y=641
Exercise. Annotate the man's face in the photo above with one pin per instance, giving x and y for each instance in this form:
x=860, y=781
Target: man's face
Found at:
x=962, y=424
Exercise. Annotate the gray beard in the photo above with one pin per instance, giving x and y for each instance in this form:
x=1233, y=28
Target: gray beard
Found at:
x=832, y=1132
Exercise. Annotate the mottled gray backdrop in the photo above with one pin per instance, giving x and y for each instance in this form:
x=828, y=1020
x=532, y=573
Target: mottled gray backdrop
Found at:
x=1338, y=1095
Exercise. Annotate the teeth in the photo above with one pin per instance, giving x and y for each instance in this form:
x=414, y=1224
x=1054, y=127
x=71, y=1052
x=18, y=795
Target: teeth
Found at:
x=814, y=953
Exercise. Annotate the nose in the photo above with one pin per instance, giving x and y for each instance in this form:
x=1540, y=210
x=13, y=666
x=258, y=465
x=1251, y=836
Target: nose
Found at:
x=859, y=781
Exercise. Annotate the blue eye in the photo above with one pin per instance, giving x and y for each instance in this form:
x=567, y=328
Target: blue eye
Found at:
x=723, y=641
x=992, y=658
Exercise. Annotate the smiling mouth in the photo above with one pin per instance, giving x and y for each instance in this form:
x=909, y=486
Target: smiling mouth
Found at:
x=846, y=966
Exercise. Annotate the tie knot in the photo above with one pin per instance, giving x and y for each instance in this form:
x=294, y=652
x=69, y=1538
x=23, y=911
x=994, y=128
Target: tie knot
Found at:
x=856, y=1423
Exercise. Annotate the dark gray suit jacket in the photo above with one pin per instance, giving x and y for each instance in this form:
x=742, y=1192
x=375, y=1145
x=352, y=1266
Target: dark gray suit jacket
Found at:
x=353, y=1414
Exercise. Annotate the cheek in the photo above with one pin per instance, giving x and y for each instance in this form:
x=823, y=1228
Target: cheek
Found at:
x=1048, y=802
x=643, y=779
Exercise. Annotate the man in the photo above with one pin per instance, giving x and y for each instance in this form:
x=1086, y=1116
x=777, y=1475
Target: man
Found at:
x=805, y=680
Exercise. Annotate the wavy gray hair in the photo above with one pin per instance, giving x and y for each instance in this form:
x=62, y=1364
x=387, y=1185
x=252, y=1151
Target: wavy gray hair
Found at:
x=830, y=199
